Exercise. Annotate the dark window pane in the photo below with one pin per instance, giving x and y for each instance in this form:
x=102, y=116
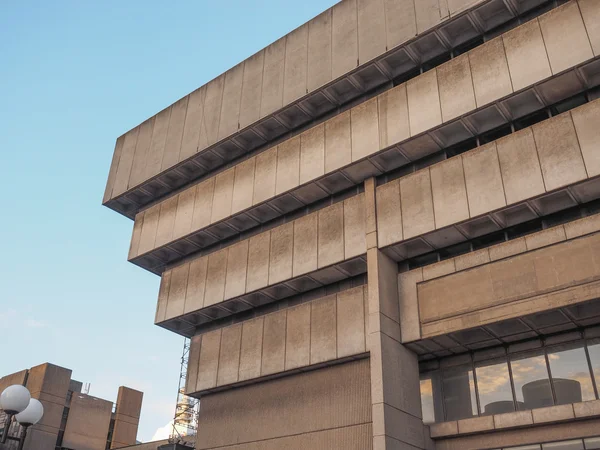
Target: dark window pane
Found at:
x=459, y=393
x=532, y=385
x=594, y=351
x=431, y=398
x=565, y=445
x=493, y=385
x=570, y=374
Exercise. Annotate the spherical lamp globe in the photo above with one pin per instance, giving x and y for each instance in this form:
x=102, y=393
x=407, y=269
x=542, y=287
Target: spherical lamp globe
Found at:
x=14, y=399
x=32, y=414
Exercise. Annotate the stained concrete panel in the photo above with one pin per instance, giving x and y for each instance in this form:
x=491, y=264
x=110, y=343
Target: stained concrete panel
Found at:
x=305, y=244
x=223, y=195
x=338, y=142
x=400, y=21
x=193, y=135
x=194, y=298
x=125, y=162
x=229, y=355
x=272, y=87
x=389, y=214
x=319, y=51
x=424, y=102
x=558, y=150
x=193, y=361
x=520, y=166
x=212, y=109
x=323, y=339
x=456, y=88
x=251, y=349
x=280, y=261
x=266, y=174
x=258, y=260
x=372, y=39
x=526, y=55
x=232, y=96
x=136, y=235
x=483, y=180
x=586, y=119
x=417, y=204
x=429, y=13
x=458, y=6
x=166, y=221
x=163, y=297
x=209, y=360
x=288, y=165
x=355, y=242
x=331, y=235
x=565, y=37
x=489, y=69
x=243, y=185
x=157, y=147
x=312, y=153
x=252, y=89
x=174, y=134
x=273, y=355
x=393, y=116
x=149, y=228
x=114, y=166
x=237, y=265
x=142, y=147
x=449, y=192
x=88, y=423
x=296, y=64
x=590, y=10
x=215, y=278
x=177, y=290
x=203, y=204
x=297, y=345
x=365, y=129
x=410, y=329
x=344, y=38
x=350, y=322
x=185, y=212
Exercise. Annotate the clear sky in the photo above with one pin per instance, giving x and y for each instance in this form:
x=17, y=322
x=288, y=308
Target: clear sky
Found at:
x=74, y=75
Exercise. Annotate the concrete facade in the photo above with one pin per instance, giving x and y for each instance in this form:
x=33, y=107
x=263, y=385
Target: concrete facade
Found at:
x=372, y=228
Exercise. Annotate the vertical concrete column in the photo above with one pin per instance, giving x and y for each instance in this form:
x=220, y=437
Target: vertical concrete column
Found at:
x=127, y=417
x=396, y=403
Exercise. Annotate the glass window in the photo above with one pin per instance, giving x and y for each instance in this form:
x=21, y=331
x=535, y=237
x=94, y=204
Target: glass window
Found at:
x=594, y=351
x=493, y=386
x=570, y=374
x=532, y=384
x=431, y=398
x=565, y=445
x=459, y=393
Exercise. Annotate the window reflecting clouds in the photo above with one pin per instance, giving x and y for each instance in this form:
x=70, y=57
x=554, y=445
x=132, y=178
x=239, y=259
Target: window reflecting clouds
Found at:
x=594, y=352
x=459, y=393
x=532, y=384
x=570, y=374
x=493, y=384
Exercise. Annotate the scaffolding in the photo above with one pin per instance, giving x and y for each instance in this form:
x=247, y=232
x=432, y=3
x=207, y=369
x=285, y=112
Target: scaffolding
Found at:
x=185, y=422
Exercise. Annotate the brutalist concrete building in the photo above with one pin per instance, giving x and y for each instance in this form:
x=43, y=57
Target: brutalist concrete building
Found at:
x=382, y=231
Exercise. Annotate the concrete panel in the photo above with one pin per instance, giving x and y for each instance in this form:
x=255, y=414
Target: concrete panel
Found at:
x=400, y=21
x=331, y=235
x=372, y=39
x=449, y=192
x=565, y=37
x=215, y=278
x=142, y=148
x=457, y=6
x=429, y=13
x=185, y=211
x=365, y=128
x=273, y=355
x=344, y=38
x=323, y=339
x=203, y=204
x=124, y=434
x=558, y=150
x=288, y=165
x=520, y=166
x=88, y=423
x=209, y=360
x=526, y=55
x=212, y=109
x=297, y=344
x=157, y=147
x=193, y=361
x=296, y=64
x=223, y=195
x=243, y=185
x=582, y=227
x=586, y=119
x=166, y=221
x=489, y=69
x=272, y=87
x=232, y=97
x=174, y=134
x=229, y=355
x=125, y=162
x=266, y=174
x=393, y=116
x=194, y=298
x=193, y=135
x=319, y=51
x=417, y=204
x=136, y=235
x=338, y=142
x=389, y=214
x=282, y=245
x=177, y=290
x=355, y=241
x=258, y=260
x=237, y=265
x=456, y=88
x=590, y=10
x=149, y=228
x=507, y=249
x=350, y=322
x=251, y=349
x=544, y=238
x=483, y=180
x=423, y=102
x=471, y=259
x=305, y=244
x=312, y=153
x=163, y=297
x=252, y=89
x=114, y=165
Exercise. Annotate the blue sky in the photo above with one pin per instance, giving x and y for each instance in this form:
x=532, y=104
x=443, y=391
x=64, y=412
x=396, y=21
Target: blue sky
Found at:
x=73, y=76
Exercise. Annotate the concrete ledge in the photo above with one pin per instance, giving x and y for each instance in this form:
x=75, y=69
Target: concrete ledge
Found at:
x=476, y=424
x=553, y=414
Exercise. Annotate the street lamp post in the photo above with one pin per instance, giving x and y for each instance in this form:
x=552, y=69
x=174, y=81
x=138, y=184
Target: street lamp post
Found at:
x=16, y=402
